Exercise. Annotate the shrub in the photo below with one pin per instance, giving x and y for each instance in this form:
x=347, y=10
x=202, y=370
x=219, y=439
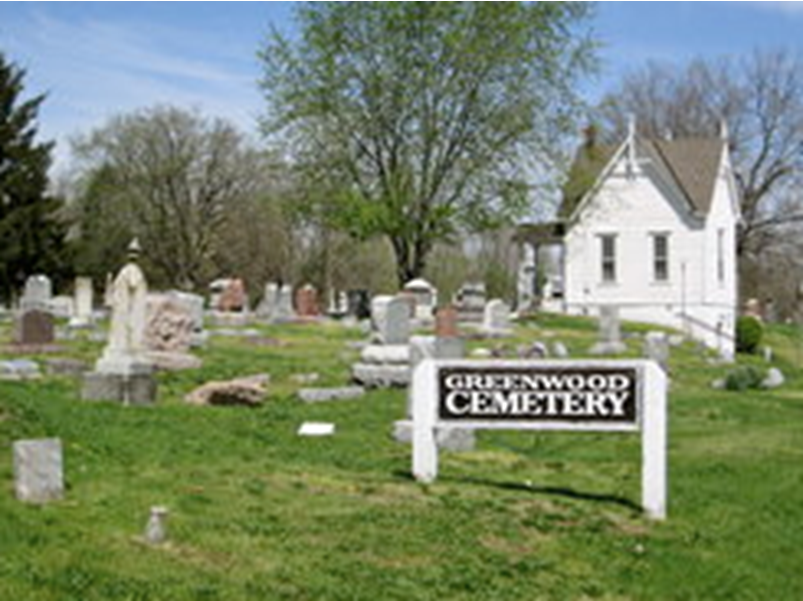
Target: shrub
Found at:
x=749, y=331
x=744, y=377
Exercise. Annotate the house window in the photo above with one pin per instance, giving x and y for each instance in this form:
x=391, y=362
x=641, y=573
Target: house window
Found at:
x=660, y=257
x=608, y=258
x=721, y=256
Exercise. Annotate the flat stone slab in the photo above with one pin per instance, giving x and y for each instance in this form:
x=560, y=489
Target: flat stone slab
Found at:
x=608, y=348
x=382, y=354
x=323, y=395
x=381, y=376
x=173, y=361
x=19, y=369
x=449, y=439
x=316, y=429
x=66, y=366
x=38, y=470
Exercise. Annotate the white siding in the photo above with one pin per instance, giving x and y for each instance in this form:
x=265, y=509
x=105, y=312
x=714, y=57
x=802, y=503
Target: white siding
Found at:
x=634, y=207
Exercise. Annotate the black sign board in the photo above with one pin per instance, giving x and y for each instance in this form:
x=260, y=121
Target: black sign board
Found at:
x=543, y=394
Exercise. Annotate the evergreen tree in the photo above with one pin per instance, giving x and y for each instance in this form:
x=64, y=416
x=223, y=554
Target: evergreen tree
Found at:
x=31, y=234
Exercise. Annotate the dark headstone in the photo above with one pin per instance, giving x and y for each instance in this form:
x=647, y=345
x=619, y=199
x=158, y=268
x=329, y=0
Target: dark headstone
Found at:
x=359, y=304
x=34, y=328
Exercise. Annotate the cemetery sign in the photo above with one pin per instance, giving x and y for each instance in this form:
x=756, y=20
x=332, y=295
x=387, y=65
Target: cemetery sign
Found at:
x=599, y=395
x=595, y=395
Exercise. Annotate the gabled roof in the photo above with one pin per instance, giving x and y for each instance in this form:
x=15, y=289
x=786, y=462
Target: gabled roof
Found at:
x=691, y=163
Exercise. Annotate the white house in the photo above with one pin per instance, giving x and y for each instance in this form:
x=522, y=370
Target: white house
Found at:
x=648, y=226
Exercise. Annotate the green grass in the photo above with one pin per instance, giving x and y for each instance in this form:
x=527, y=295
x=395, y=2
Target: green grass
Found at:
x=259, y=513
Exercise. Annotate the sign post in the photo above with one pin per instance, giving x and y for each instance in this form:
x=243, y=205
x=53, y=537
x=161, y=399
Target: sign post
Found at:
x=608, y=396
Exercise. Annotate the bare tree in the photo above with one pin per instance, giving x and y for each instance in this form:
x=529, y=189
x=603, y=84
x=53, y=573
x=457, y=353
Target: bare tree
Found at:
x=172, y=178
x=759, y=97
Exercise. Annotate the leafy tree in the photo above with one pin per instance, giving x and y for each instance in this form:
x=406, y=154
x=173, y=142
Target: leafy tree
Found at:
x=760, y=97
x=32, y=234
x=416, y=120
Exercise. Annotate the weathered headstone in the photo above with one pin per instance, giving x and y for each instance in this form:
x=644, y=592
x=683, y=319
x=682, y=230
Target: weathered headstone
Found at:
x=123, y=372
x=194, y=304
x=34, y=327
x=384, y=363
x=431, y=347
x=82, y=312
x=267, y=306
x=234, y=297
x=37, y=294
x=610, y=337
x=169, y=333
x=424, y=295
x=391, y=319
x=284, y=304
x=359, y=304
x=156, y=528
x=38, y=470
x=496, y=318
x=656, y=348
x=470, y=302
x=307, y=301
x=446, y=322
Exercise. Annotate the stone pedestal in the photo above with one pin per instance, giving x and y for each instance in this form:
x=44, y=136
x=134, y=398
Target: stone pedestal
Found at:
x=133, y=389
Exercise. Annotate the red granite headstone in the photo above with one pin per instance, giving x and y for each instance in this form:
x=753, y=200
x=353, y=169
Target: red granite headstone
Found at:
x=446, y=322
x=34, y=328
x=307, y=302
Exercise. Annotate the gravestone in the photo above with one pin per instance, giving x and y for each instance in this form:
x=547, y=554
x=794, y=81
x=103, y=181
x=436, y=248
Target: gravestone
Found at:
x=385, y=362
x=446, y=322
x=391, y=319
x=38, y=470
x=37, y=294
x=123, y=372
x=267, y=306
x=156, y=528
x=34, y=327
x=194, y=305
x=82, y=312
x=424, y=296
x=610, y=336
x=359, y=304
x=496, y=318
x=307, y=302
x=169, y=331
x=61, y=306
x=433, y=347
x=470, y=302
x=656, y=348
x=233, y=298
x=284, y=305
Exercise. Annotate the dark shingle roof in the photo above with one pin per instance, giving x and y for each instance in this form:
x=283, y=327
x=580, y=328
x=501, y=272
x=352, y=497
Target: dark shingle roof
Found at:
x=692, y=163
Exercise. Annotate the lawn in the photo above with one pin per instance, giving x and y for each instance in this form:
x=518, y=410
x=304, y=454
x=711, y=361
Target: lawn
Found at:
x=259, y=513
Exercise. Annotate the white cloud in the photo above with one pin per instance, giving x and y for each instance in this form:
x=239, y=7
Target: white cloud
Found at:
x=93, y=69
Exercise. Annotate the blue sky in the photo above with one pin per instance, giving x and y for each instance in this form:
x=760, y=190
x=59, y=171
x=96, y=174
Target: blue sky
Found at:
x=98, y=59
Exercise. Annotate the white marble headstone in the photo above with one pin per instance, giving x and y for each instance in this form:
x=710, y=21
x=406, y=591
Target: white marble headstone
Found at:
x=38, y=470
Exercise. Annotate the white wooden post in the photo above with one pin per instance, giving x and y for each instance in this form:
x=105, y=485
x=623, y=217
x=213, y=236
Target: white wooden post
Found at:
x=425, y=400
x=654, y=442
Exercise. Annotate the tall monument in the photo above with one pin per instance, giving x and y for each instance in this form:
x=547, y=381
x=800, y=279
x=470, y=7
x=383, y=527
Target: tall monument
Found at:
x=123, y=372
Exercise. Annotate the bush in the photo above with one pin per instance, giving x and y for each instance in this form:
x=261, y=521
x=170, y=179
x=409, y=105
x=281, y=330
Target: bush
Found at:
x=744, y=377
x=749, y=331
